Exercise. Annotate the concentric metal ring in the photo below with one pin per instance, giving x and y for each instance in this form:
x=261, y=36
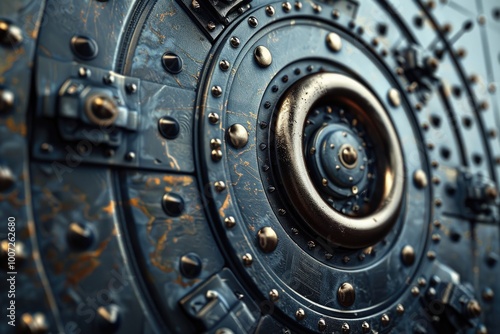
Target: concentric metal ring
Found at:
x=319, y=216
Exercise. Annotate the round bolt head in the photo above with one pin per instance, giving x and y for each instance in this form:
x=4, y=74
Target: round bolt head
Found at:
x=230, y=222
x=79, y=236
x=247, y=259
x=385, y=319
x=473, y=308
x=172, y=204
x=215, y=143
x=108, y=318
x=171, y=62
x=213, y=118
x=10, y=35
x=216, y=91
x=287, y=7
x=346, y=294
x=234, y=41
x=321, y=325
x=274, y=295
x=190, y=265
x=252, y=21
x=224, y=65
x=238, y=135
x=300, y=314
x=334, y=42
x=420, y=179
x=268, y=239
x=408, y=255
x=101, y=109
x=84, y=47
x=33, y=323
x=270, y=10
x=216, y=155
x=394, y=97
x=263, y=56
x=168, y=127
x=220, y=186
x=7, y=100
x=7, y=179
x=365, y=327
x=488, y=294
x=345, y=328
x=400, y=309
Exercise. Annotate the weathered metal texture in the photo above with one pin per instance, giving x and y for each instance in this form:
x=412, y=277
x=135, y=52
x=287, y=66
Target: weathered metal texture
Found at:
x=140, y=228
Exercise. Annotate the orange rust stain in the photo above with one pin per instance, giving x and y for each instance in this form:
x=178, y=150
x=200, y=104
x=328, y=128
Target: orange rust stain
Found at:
x=153, y=181
x=189, y=283
x=13, y=199
x=224, y=206
x=135, y=202
x=157, y=255
x=85, y=263
x=178, y=180
x=168, y=13
x=10, y=59
x=110, y=208
x=16, y=128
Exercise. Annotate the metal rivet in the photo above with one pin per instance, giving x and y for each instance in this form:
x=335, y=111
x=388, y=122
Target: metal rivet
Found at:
x=215, y=143
x=488, y=294
x=421, y=281
x=346, y=295
x=211, y=26
x=84, y=72
x=172, y=204
x=79, y=236
x=220, y=186
x=35, y=323
x=46, y=148
x=234, y=41
x=365, y=327
x=20, y=249
x=247, y=259
x=101, y=110
x=336, y=14
x=7, y=100
x=394, y=97
x=408, y=255
x=420, y=179
x=168, y=127
x=298, y=5
x=345, y=328
x=216, y=91
x=473, y=308
x=287, y=7
x=400, y=309
x=311, y=244
x=274, y=295
x=321, y=325
x=270, y=10
x=263, y=56
x=415, y=291
x=316, y=8
x=230, y=222
x=109, y=79
x=172, y=62
x=213, y=118
x=238, y=135
x=216, y=155
x=481, y=329
x=10, y=35
x=252, y=21
x=7, y=179
x=268, y=239
x=84, y=47
x=190, y=265
x=436, y=238
x=130, y=156
x=224, y=65
x=300, y=314
x=109, y=318
x=334, y=42
x=131, y=88
x=385, y=320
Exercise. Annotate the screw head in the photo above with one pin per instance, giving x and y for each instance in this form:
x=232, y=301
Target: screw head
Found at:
x=172, y=204
x=346, y=294
x=394, y=97
x=238, y=135
x=7, y=100
x=473, y=308
x=400, y=309
x=109, y=318
x=408, y=255
x=253, y=22
x=230, y=222
x=10, y=35
x=234, y=41
x=268, y=239
x=7, y=179
x=300, y=314
x=345, y=328
x=287, y=7
x=420, y=179
x=172, y=63
x=84, y=47
x=385, y=319
x=213, y=118
x=190, y=265
x=247, y=259
x=79, y=236
x=216, y=91
x=274, y=295
x=365, y=327
x=334, y=42
x=263, y=56
x=220, y=186
x=168, y=127
x=216, y=155
x=224, y=65
x=270, y=10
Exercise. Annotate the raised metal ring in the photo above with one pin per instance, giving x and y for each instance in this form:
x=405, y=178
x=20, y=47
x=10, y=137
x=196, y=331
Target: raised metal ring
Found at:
x=338, y=229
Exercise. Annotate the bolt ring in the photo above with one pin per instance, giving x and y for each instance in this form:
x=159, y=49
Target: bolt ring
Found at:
x=293, y=109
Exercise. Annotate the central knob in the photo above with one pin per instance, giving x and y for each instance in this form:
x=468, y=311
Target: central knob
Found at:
x=348, y=156
x=327, y=160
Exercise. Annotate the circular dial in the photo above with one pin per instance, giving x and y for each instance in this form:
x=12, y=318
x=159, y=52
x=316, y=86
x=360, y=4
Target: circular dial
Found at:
x=250, y=166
